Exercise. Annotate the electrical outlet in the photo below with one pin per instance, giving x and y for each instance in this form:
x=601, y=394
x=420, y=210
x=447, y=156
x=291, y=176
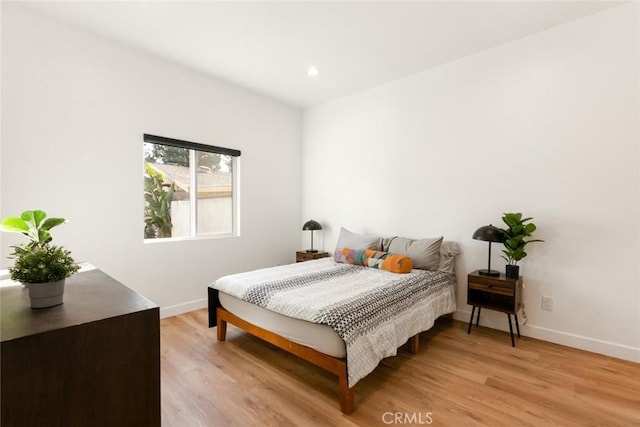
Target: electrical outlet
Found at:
x=547, y=303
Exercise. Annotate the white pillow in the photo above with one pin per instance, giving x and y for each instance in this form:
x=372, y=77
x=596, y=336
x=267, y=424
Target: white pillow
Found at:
x=425, y=253
x=351, y=240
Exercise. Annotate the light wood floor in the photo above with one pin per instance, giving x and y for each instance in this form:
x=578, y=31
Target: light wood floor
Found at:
x=455, y=380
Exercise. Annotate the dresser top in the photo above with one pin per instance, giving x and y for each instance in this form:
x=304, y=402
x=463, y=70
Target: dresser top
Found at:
x=89, y=296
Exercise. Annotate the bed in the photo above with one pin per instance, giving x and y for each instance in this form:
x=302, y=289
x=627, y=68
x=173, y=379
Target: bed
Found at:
x=341, y=317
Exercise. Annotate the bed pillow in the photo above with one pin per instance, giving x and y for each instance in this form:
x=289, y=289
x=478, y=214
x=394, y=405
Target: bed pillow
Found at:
x=448, y=253
x=394, y=263
x=349, y=239
x=425, y=253
x=385, y=242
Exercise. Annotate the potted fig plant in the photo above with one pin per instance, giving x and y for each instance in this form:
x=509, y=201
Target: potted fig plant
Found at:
x=39, y=265
x=516, y=237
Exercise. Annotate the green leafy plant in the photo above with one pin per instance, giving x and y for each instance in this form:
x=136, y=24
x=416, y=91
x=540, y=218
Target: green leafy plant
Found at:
x=41, y=264
x=158, y=195
x=38, y=261
x=516, y=237
x=33, y=224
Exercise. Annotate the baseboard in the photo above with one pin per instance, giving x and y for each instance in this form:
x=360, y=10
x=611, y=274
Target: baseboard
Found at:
x=186, y=307
x=606, y=348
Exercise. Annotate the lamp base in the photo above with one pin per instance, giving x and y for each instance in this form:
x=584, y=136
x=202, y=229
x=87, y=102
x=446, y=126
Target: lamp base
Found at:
x=312, y=251
x=488, y=272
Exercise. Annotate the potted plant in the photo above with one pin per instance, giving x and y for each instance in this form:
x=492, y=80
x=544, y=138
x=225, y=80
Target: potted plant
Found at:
x=515, y=240
x=38, y=264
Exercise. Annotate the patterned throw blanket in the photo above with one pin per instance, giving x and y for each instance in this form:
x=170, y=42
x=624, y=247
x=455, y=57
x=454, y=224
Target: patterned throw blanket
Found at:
x=373, y=311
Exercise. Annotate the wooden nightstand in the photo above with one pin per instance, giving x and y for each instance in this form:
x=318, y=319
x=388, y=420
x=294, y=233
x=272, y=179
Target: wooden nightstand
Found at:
x=496, y=293
x=308, y=256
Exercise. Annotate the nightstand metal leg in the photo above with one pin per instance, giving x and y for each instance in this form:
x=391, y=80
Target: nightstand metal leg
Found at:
x=517, y=325
x=471, y=320
x=478, y=318
x=513, y=343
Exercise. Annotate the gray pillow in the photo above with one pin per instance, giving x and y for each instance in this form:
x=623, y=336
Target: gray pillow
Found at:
x=385, y=242
x=448, y=252
x=425, y=253
x=351, y=240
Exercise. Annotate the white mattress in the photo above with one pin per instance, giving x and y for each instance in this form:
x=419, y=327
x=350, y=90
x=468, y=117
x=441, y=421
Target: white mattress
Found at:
x=318, y=337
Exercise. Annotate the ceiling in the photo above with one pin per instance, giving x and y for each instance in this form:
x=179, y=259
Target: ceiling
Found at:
x=268, y=46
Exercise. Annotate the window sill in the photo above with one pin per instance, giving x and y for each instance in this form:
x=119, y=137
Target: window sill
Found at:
x=183, y=239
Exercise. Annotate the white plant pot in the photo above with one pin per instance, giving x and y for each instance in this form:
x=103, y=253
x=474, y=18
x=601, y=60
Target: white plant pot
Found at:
x=45, y=295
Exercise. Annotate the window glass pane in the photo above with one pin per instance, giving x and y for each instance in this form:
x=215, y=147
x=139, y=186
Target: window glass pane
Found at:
x=167, y=207
x=215, y=193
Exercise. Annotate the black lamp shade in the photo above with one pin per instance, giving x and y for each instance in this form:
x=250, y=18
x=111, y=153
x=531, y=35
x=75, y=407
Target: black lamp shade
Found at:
x=312, y=225
x=489, y=233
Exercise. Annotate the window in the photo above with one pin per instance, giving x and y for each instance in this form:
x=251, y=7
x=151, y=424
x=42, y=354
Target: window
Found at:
x=190, y=189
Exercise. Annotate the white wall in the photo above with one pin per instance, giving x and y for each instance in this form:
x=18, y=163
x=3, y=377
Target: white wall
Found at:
x=546, y=125
x=74, y=109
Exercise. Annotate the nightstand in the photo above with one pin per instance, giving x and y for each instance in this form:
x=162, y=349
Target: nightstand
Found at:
x=308, y=256
x=498, y=293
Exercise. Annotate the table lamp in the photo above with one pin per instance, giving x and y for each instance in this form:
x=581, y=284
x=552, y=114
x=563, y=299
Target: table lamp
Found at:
x=489, y=233
x=312, y=225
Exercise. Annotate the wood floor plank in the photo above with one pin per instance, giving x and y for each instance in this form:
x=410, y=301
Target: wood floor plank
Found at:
x=455, y=379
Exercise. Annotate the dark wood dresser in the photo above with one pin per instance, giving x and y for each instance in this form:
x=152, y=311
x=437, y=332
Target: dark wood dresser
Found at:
x=92, y=361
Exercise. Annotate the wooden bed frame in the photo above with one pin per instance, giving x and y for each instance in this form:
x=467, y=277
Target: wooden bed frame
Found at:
x=337, y=366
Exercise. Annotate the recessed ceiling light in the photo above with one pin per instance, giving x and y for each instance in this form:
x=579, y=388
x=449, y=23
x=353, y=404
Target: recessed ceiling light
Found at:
x=313, y=71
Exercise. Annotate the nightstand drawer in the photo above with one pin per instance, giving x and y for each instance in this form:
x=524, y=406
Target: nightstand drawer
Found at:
x=302, y=256
x=495, y=288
